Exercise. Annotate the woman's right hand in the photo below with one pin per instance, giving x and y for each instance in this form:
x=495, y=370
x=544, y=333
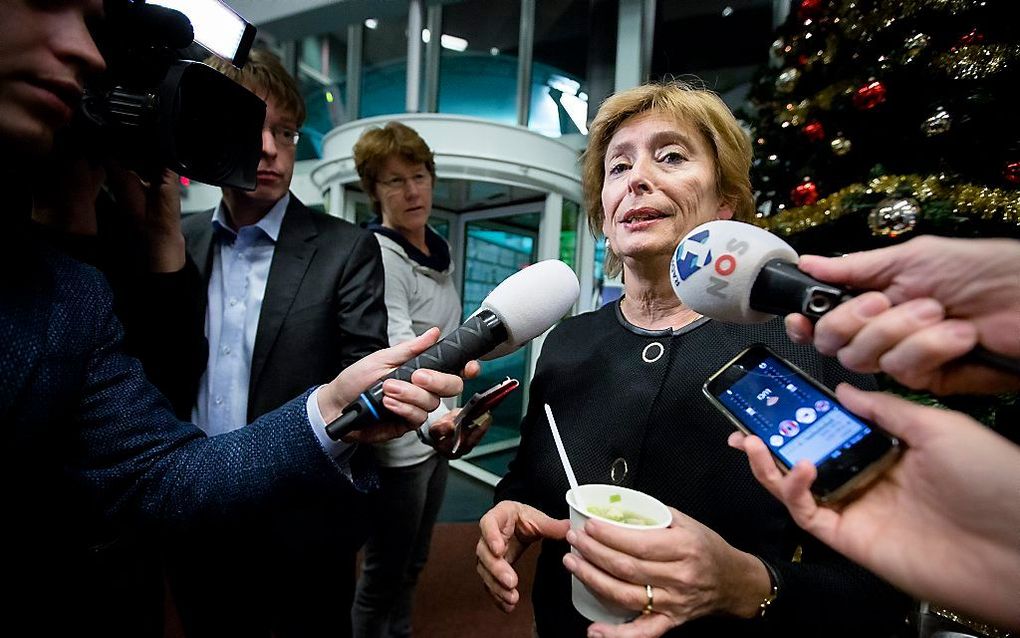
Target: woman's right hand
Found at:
x=507, y=531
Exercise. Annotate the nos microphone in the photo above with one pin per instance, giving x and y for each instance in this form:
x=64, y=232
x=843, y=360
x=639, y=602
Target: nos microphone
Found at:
x=740, y=273
x=523, y=306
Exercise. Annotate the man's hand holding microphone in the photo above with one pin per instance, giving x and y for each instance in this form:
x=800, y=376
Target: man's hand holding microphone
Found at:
x=408, y=402
x=931, y=301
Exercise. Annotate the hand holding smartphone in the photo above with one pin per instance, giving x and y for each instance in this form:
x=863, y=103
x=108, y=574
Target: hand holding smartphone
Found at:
x=482, y=402
x=798, y=418
x=471, y=417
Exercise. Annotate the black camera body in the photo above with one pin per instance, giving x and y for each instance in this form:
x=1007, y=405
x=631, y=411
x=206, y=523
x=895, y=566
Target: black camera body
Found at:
x=155, y=109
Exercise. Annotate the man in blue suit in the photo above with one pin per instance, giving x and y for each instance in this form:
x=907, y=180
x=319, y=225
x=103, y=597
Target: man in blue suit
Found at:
x=89, y=443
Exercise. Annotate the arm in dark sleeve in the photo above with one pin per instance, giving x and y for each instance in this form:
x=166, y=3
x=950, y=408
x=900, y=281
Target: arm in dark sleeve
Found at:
x=360, y=302
x=514, y=486
x=163, y=314
x=824, y=594
x=140, y=459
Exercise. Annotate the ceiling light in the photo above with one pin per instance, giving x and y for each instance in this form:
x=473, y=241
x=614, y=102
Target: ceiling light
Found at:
x=453, y=43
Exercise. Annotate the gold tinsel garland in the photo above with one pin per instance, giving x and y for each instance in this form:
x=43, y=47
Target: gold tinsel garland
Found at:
x=968, y=200
x=977, y=62
x=982, y=628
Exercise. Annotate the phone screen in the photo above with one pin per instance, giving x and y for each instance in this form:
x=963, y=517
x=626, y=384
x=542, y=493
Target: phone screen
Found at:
x=794, y=418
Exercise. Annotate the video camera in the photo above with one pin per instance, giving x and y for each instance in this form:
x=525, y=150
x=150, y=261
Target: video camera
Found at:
x=156, y=109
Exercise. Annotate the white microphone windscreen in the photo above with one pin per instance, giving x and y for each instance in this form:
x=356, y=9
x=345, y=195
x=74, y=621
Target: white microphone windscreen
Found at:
x=529, y=302
x=715, y=266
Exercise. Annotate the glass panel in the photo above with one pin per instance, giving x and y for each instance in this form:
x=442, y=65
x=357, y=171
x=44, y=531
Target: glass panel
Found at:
x=568, y=232
x=384, y=67
x=687, y=41
x=441, y=226
x=481, y=79
x=600, y=257
x=496, y=249
x=559, y=99
x=607, y=291
x=322, y=74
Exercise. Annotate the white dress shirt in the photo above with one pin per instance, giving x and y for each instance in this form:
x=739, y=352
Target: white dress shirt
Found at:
x=237, y=288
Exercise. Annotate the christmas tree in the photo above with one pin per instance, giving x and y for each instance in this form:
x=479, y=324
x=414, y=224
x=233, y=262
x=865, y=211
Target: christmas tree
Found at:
x=878, y=120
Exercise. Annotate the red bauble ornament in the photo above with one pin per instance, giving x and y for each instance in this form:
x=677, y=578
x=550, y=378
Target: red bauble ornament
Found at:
x=869, y=96
x=1012, y=172
x=809, y=9
x=814, y=131
x=804, y=194
x=972, y=37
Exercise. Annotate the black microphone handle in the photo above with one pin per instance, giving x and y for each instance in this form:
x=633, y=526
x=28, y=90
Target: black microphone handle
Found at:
x=782, y=288
x=477, y=336
x=980, y=355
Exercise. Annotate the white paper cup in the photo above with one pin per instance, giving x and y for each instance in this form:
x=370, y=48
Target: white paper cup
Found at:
x=586, y=603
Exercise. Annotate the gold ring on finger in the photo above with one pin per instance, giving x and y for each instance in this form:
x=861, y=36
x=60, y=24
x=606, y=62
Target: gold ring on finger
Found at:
x=650, y=600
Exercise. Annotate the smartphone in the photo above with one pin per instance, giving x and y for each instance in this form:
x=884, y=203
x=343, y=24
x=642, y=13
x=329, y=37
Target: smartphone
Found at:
x=482, y=402
x=477, y=406
x=799, y=418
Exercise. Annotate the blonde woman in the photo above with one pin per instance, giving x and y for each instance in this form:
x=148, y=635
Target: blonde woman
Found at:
x=625, y=384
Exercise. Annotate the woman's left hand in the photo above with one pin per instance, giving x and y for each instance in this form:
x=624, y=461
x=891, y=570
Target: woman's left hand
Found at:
x=693, y=572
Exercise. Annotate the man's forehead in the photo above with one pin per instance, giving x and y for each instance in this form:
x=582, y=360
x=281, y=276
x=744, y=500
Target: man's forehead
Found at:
x=273, y=109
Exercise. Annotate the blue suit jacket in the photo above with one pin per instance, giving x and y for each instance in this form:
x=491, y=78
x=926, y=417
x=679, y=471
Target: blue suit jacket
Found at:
x=90, y=444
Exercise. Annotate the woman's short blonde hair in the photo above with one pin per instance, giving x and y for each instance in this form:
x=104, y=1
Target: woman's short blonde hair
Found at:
x=376, y=145
x=730, y=145
x=264, y=75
